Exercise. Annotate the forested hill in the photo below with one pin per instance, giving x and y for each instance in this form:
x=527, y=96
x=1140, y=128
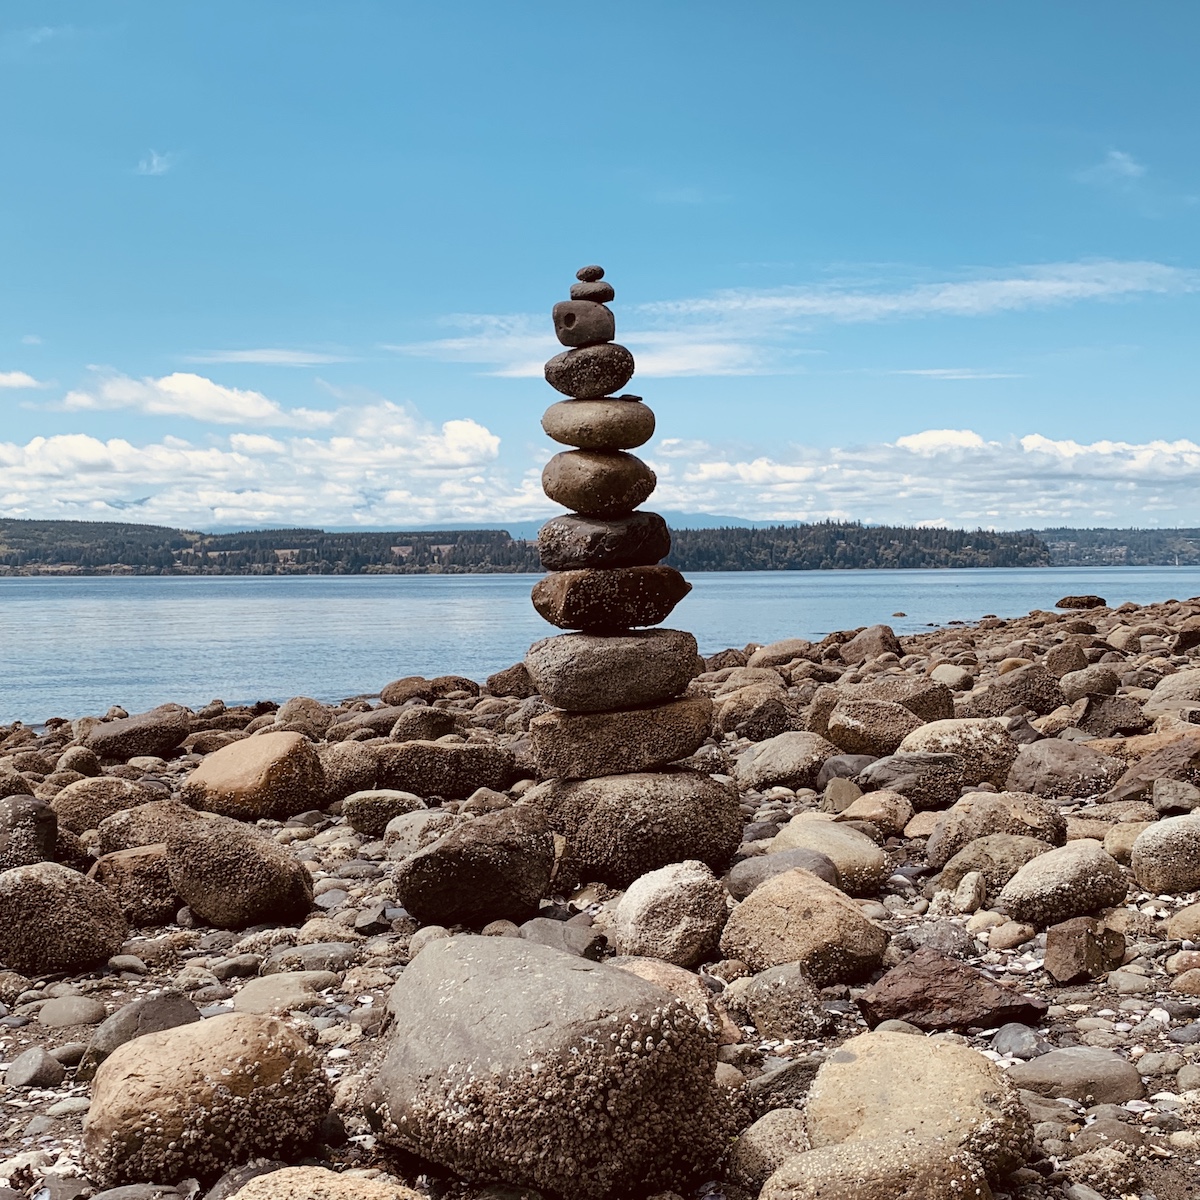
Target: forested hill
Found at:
x=103, y=548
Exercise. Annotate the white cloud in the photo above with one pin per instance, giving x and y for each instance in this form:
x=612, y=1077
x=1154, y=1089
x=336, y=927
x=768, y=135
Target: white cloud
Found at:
x=156, y=164
x=18, y=379
x=31, y=339
x=269, y=357
x=184, y=394
x=957, y=373
x=1116, y=168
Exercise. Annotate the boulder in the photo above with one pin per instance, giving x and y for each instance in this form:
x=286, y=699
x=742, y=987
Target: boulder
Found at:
x=1097, y=680
x=572, y=543
x=1082, y=948
x=1087, y=1074
x=870, y=643
x=782, y=1002
x=382, y=721
x=979, y=814
x=875, y=727
x=1166, y=855
x=410, y=832
x=410, y=687
x=274, y=775
x=780, y=653
x=628, y=1066
x=675, y=914
x=792, y=759
x=1072, y=881
x=370, y=811
x=885, y=1085
x=144, y=825
x=889, y=812
x=140, y=880
x=997, y=857
x=927, y=781
x=199, y=1098
x=746, y=874
x=617, y=598
x=766, y=1145
x=1030, y=687
x=82, y=805
x=157, y=733
x=450, y=770
x=860, y=863
x=28, y=831
x=490, y=868
x=1056, y=768
x=982, y=743
x=1177, y=758
x=583, y=672
x=347, y=767
x=796, y=917
x=319, y=1183
x=150, y=1014
x=513, y=681
x=620, y=827
x=282, y=992
x=586, y=745
x=232, y=875
x=757, y=712
x=1174, y=693
x=53, y=919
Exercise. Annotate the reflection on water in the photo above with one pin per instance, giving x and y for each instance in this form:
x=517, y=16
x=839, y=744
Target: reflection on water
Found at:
x=72, y=646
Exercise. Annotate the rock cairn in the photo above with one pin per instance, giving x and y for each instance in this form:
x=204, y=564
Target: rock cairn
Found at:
x=616, y=686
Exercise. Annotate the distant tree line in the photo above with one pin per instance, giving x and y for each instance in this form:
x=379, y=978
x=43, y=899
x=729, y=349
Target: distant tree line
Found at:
x=100, y=547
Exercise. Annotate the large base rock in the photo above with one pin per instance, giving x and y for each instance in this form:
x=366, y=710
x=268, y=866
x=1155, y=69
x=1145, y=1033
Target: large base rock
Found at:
x=510, y=1060
x=623, y=826
x=587, y=745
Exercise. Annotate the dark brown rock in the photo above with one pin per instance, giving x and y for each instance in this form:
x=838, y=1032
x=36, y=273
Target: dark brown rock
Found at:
x=513, y=681
x=590, y=371
x=597, y=600
x=618, y=424
x=1081, y=602
x=599, y=290
x=140, y=880
x=590, y=274
x=936, y=992
x=411, y=687
x=583, y=323
x=597, y=484
x=575, y=542
x=587, y=745
x=1082, y=948
x=157, y=732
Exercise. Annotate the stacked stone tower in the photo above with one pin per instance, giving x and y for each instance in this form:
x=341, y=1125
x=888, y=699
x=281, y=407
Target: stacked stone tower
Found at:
x=616, y=685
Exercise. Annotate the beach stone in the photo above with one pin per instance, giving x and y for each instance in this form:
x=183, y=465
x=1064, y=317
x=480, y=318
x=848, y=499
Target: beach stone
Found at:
x=28, y=831
x=956, y=678
x=53, y=919
x=513, y=682
x=1185, y=923
x=601, y=291
x=1064, y=659
x=783, y=1003
x=583, y=322
x=1082, y=948
x=13, y=783
x=1099, y=679
x=766, y=1145
x=982, y=743
x=140, y=880
x=516, y=1020
x=410, y=687
x=1087, y=1074
x=347, y=767
x=84, y=804
x=675, y=914
x=875, y=727
x=934, y=992
x=157, y=732
x=861, y=865
x=757, y=712
x=1174, y=796
x=422, y=723
x=870, y=643
x=1032, y=686
x=150, y=1014
x=144, y=825
x=452, y=771
x=492, y=867
x=199, y=1098
x=927, y=781
x=274, y=775
x=1079, y=602
x=997, y=857
x=889, y=812
x=1071, y=881
x=585, y=745
x=582, y=672
x=792, y=759
x=620, y=827
x=879, y=1169
x=79, y=758
x=232, y=875
x=599, y=424
x=598, y=484
x=796, y=917
x=1166, y=855
x=319, y=1183
x=613, y=599
x=34, y=1068
x=410, y=832
x=574, y=542
x=590, y=371
x=744, y=876
x=778, y=654
x=1053, y=767
x=305, y=715
x=370, y=811
x=283, y=991
x=380, y=721
x=1177, y=758
x=885, y=1085
x=1173, y=693
x=61, y=1012
x=979, y=814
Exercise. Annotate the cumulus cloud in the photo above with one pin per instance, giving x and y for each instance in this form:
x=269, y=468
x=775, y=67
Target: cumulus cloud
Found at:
x=747, y=331
x=184, y=394
x=18, y=379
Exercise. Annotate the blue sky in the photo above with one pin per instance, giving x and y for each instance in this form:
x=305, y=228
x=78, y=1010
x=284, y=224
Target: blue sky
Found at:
x=292, y=263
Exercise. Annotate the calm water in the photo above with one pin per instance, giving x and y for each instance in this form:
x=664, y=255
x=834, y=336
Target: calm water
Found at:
x=75, y=646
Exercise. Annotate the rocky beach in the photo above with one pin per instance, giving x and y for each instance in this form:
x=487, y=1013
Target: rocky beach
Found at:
x=851, y=919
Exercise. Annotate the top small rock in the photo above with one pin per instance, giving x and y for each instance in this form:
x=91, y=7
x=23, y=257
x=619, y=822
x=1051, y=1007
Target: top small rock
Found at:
x=589, y=274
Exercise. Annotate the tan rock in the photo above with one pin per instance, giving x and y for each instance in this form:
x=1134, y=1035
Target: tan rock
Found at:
x=983, y=743
x=317, y=1183
x=273, y=775
x=889, y=812
x=860, y=862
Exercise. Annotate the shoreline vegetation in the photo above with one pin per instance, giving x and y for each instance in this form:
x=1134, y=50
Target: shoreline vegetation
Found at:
x=89, y=548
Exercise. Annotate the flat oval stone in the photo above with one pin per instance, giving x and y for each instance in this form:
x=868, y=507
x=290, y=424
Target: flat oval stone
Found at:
x=599, y=291
x=599, y=424
x=597, y=484
x=591, y=371
x=589, y=274
x=573, y=542
x=582, y=322
x=619, y=599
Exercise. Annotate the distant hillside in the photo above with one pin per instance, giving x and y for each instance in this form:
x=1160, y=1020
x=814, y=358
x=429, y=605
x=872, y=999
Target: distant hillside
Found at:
x=1123, y=547
x=105, y=548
